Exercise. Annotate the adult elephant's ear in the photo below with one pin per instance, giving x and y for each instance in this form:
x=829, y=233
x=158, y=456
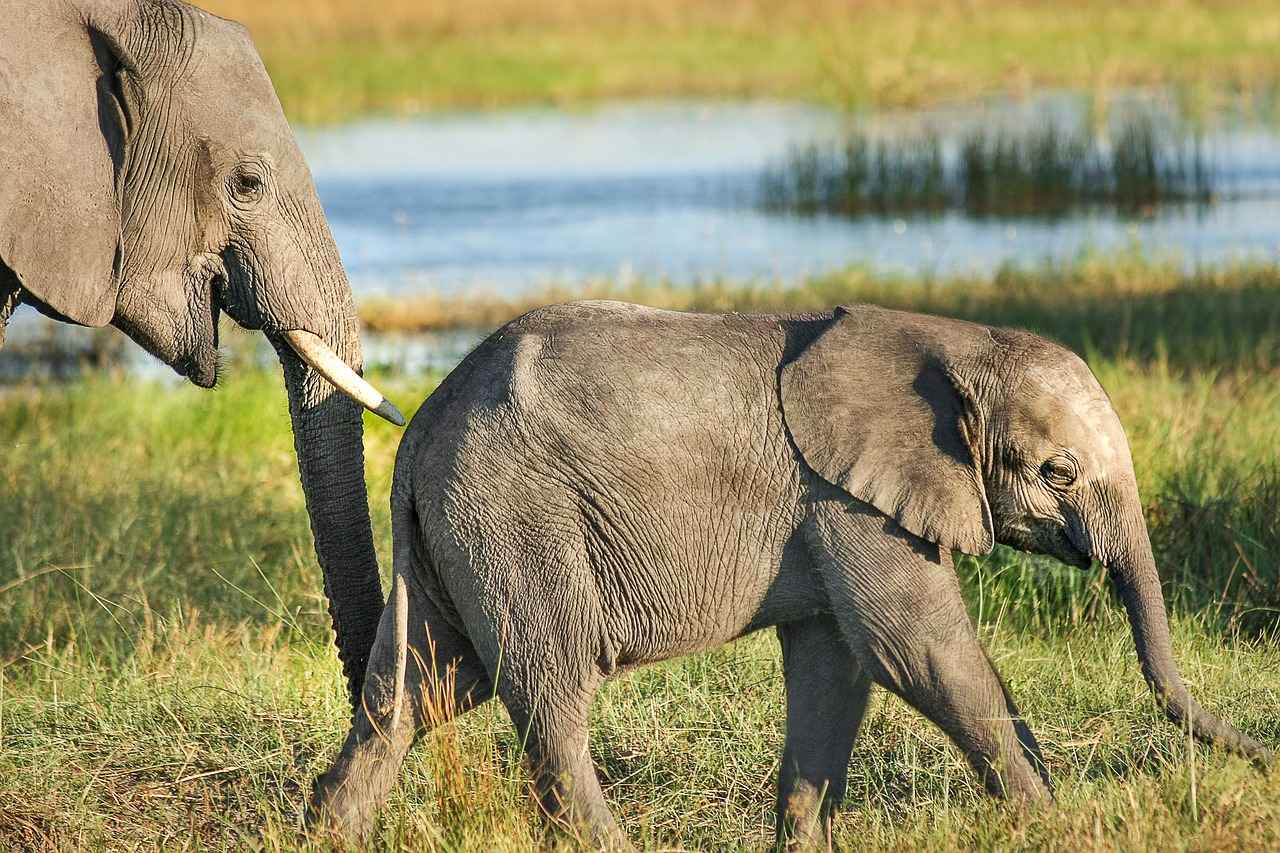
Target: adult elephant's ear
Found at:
x=875, y=406
x=61, y=144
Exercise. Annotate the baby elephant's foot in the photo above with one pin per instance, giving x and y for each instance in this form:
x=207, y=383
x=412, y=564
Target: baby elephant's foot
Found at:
x=805, y=818
x=338, y=811
x=346, y=798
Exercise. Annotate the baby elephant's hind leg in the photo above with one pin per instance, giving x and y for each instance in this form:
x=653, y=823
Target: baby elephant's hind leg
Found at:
x=547, y=668
x=556, y=743
x=422, y=672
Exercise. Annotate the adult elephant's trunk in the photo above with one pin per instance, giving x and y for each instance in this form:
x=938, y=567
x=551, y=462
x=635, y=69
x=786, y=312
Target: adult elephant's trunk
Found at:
x=287, y=279
x=328, y=435
x=1133, y=570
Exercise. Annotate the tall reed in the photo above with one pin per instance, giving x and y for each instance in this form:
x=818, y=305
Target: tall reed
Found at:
x=1049, y=170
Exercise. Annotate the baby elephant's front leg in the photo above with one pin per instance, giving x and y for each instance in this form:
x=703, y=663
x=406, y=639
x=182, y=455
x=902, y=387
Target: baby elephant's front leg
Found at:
x=899, y=605
x=827, y=694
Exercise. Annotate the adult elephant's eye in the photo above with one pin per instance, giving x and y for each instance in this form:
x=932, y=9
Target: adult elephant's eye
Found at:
x=247, y=186
x=1059, y=470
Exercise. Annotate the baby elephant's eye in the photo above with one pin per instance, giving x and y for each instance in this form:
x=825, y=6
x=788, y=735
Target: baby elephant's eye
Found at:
x=1060, y=470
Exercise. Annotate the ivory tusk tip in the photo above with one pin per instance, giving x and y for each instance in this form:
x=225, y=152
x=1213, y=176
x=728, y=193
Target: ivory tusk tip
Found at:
x=389, y=412
x=323, y=360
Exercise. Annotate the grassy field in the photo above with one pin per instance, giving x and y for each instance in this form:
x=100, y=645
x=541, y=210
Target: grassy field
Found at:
x=167, y=679
x=332, y=59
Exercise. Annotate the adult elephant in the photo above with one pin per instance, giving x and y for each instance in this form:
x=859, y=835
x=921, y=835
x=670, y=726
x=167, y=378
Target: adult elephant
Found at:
x=150, y=181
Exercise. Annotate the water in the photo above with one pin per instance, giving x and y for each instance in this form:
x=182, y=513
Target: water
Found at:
x=511, y=200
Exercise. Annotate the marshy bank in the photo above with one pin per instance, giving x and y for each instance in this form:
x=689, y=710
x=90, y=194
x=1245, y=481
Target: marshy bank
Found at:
x=1114, y=306
x=1125, y=307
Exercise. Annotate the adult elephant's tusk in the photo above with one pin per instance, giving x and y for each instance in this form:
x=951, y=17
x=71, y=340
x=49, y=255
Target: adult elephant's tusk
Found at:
x=325, y=361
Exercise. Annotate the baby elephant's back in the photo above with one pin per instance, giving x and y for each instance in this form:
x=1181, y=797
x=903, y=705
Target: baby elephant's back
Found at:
x=609, y=383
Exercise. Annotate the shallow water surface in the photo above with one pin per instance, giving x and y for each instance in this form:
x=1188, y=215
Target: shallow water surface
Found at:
x=670, y=191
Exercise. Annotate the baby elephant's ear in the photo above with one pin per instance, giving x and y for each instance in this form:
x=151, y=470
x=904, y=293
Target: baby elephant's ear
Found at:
x=873, y=406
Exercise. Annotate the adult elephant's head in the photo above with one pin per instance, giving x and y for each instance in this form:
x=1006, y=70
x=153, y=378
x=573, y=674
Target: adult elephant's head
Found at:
x=150, y=180
x=968, y=436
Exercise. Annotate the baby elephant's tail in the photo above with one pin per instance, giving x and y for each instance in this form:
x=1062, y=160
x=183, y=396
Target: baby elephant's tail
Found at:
x=400, y=615
x=404, y=529
x=347, y=794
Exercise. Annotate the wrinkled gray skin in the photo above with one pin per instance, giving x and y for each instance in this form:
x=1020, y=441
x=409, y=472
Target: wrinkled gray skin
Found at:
x=601, y=485
x=150, y=180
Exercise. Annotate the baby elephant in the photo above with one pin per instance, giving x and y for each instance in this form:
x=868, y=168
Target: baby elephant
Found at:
x=601, y=485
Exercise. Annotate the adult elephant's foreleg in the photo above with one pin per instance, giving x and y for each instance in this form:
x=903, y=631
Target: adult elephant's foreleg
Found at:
x=899, y=606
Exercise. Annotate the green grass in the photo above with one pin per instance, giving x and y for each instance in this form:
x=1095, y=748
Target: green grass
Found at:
x=168, y=680
x=333, y=59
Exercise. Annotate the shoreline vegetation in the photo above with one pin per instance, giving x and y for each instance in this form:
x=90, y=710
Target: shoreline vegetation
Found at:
x=338, y=59
x=167, y=676
x=1043, y=171
x=1124, y=303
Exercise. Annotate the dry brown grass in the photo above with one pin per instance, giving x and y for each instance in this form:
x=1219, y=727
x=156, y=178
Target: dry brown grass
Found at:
x=393, y=18
x=333, y=58
x=1169, y=297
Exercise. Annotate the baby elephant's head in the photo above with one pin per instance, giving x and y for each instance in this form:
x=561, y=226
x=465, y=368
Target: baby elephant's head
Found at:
x=1056, y=469
x=967, y=435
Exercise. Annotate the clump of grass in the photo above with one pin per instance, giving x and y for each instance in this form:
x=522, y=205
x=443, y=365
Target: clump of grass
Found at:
x=1235, y=521
x=859, y=176
x=1045, y=171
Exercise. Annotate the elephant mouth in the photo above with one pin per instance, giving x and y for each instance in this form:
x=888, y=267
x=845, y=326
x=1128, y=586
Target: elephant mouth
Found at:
x=1077, y=544
x=1049, y=538
x=201, y=365
x=1073, y=556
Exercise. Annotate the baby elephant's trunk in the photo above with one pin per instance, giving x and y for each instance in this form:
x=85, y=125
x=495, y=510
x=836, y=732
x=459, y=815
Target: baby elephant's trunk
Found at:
x=1134, y=573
